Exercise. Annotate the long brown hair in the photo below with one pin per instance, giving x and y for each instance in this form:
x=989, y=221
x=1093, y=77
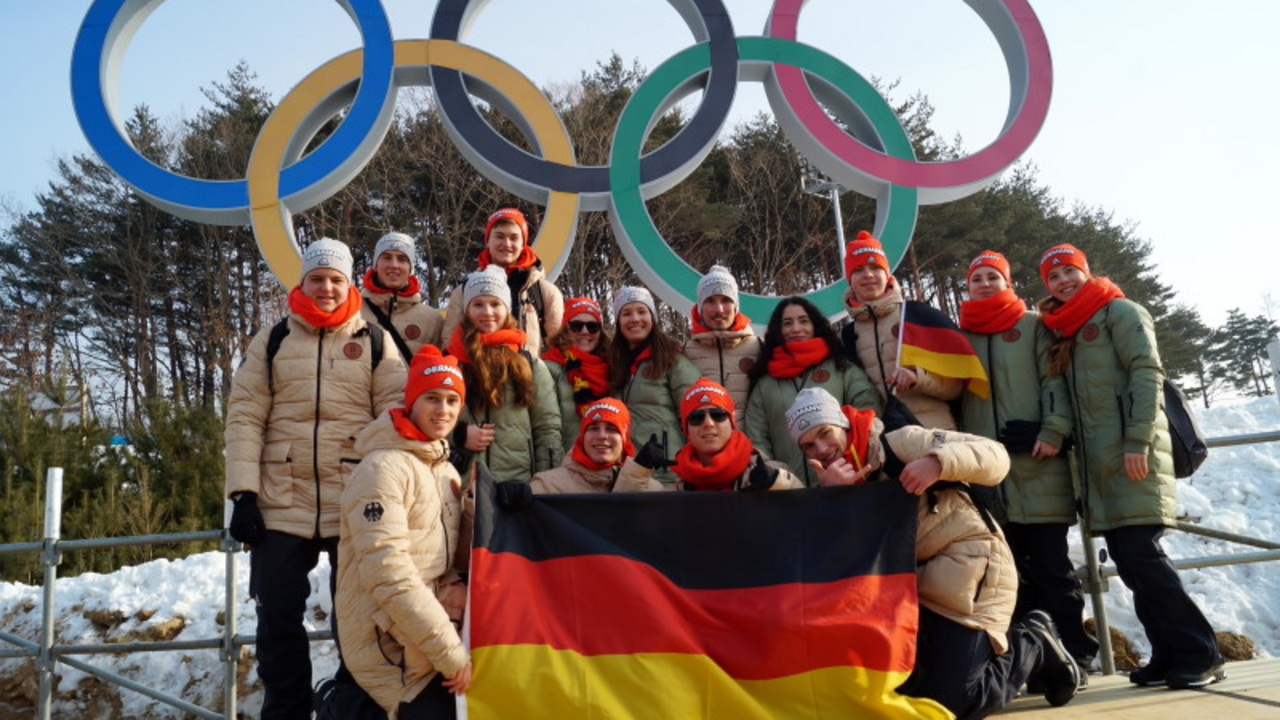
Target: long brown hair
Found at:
x=493, y=368
x=621, y=355
x=1060, y=349
x=773, y=336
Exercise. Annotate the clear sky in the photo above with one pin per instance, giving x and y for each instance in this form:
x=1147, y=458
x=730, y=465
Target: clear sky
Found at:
x=1164, y=111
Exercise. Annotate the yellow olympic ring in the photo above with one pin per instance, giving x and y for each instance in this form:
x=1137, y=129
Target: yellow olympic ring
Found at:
x=330, y=87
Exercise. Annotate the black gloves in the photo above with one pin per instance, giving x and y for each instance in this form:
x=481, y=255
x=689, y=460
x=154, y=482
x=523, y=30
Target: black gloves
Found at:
x=513, y=495
x=761, y=477
x=1019, y=436
x=652, y=456
x=246, y=519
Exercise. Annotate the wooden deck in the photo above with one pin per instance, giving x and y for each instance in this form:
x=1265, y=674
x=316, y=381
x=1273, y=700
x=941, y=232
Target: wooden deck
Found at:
x=1250, y=692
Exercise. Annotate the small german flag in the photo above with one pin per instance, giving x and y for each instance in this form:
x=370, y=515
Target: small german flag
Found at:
x=929, y=339
x=798, y=604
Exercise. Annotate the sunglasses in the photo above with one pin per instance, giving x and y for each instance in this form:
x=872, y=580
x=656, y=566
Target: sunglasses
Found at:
x=697, y=417
x=584, y=326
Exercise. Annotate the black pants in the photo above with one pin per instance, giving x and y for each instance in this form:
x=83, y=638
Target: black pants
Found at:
x=1048, y=582
x=1180, y=635
x=278, y=581
x=435, y=702
x=957, y=667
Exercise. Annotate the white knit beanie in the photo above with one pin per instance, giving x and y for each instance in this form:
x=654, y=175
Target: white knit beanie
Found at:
x=396, y=241
x=717, y=281
x=630, y=294
x=813, y=407
x=327, y=253
x=490, y=281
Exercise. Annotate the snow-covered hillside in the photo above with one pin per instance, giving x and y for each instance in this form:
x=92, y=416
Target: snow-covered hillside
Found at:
x=1237, y=490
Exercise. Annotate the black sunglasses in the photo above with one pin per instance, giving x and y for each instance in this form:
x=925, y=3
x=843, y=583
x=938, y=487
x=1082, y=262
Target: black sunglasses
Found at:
x=580, y=325
x=697, y=417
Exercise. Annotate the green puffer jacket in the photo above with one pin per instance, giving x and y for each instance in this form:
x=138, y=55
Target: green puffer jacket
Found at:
x=654, y=403
x=1036, y=490
x=528, y=438
x=766, y=422
x=1115, y=382
x=569, y=418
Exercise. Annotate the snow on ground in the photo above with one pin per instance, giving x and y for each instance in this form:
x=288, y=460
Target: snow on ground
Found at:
x=1236, y=490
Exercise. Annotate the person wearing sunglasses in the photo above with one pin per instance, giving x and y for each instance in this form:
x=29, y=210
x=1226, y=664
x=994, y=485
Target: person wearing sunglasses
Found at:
x=718, y=456
x=576, y=360
x=721, y=342
x=648, y=372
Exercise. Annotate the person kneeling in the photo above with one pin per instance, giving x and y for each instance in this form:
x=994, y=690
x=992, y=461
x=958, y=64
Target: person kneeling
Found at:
x=717, y=455
x=399, y=604
x=968, y=657
x=601, y=458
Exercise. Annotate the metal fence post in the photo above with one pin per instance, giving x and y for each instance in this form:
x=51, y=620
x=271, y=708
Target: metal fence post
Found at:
x=45, y=662
x=1097, y=586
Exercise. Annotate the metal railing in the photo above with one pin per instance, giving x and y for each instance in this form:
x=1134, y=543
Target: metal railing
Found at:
x=47, y=654
x=1094, y=575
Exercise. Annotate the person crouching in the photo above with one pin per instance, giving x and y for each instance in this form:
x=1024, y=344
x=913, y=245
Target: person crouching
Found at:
x=601, y=459
x=969, y=657
x=718, y=456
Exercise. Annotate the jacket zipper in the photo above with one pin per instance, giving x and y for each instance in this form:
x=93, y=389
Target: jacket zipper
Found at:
x=315, y=427
x=720, y=354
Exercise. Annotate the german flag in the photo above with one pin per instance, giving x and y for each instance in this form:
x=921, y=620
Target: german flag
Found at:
x=798, y=604
x=929, y=339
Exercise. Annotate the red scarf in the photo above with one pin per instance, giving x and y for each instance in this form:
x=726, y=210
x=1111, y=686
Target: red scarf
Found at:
x=406, y=427
x=725, y=468
x=370, y=283
x=525, y=259
x=306, y=308
x=740, y=322
x=579, y=454
x=510, y=337
x=644, y=355
x=992, y=315
x=859, y=435
x=790, y=359
x=1068, y=318
x=588, y=374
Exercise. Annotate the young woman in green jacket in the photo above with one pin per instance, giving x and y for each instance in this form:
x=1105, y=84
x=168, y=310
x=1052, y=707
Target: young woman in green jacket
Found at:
x=1105, y=347
x=648, y=372
x=1028, y=412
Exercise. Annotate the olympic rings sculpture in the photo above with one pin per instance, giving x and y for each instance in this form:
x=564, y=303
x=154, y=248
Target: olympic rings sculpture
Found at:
x=803, y=84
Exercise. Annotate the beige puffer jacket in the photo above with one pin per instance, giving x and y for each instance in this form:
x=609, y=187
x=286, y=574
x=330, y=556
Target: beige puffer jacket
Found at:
x=294, y=444
x=574, y=477
x=535, y=335
x=965, y=569
x=876, y=327
x=416, y=322
x=400, y=518
x=725, y=357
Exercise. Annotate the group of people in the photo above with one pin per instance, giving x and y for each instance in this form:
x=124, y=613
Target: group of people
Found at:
x=355, y=425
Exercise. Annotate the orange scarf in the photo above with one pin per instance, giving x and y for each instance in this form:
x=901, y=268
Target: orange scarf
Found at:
x=790, y=359
x=1068, y=318
x=370, y=282
x=306, y=308
x=725, y=468
x=406, y=427
x=992, y=315
x=512, y=338
x=579, y=454
x=588, y=374
x=525, y=259
x=859, y=435
x=740, y=322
